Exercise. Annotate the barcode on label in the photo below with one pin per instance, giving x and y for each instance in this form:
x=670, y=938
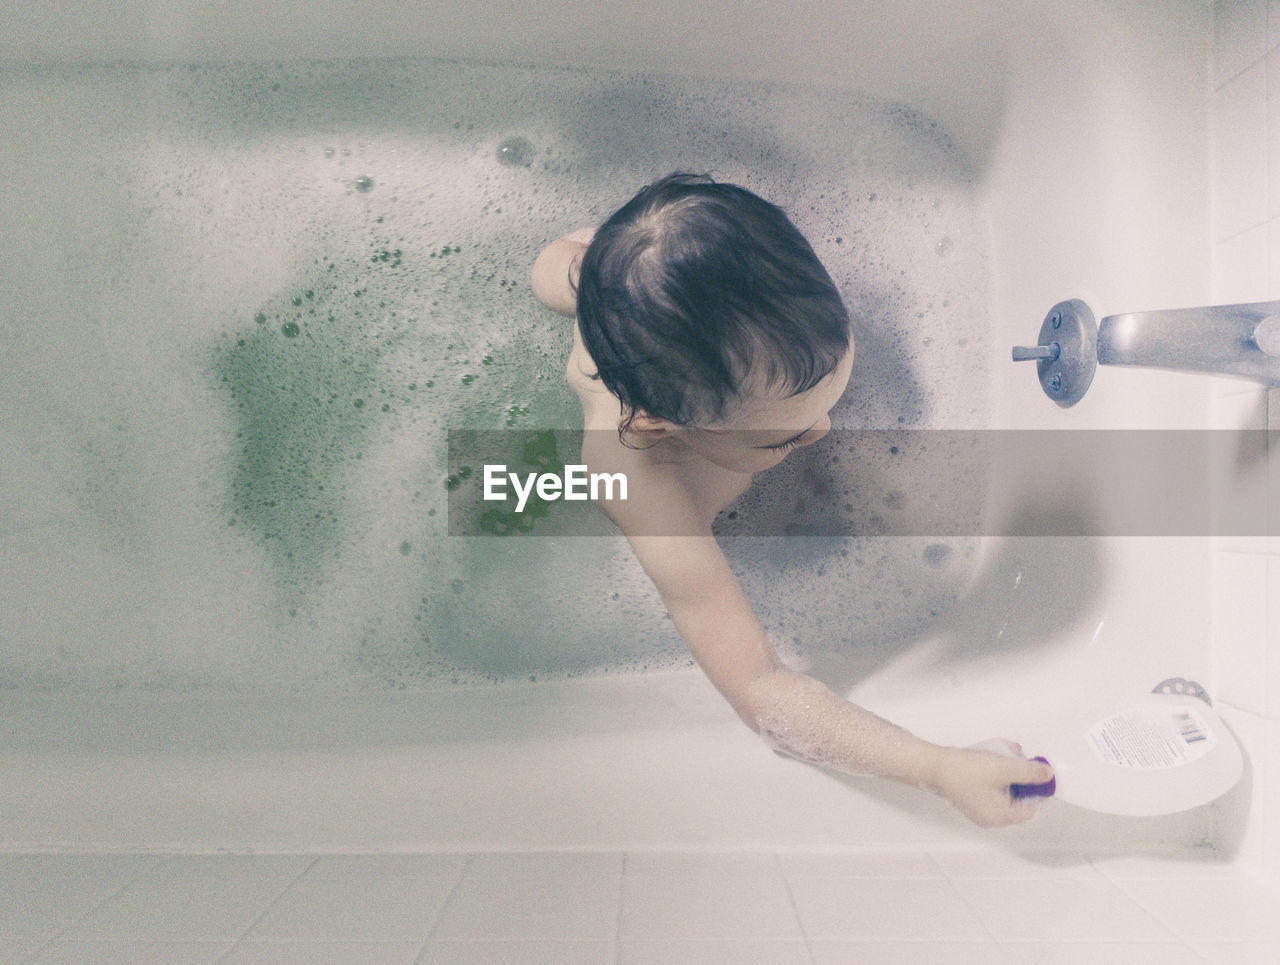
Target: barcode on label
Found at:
x=1189, y=727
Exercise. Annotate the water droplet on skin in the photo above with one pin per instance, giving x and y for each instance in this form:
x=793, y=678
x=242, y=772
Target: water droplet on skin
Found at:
x=290, y=329
x=364, y=183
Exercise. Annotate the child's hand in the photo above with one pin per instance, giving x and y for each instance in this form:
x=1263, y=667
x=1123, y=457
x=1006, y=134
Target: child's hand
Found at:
x=977, y=782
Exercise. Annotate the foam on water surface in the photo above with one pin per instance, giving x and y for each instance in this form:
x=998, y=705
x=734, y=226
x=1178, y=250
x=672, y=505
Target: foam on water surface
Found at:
x=243, y=305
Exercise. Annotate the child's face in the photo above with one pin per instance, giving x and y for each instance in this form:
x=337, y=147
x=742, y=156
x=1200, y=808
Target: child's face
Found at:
x=763, y=429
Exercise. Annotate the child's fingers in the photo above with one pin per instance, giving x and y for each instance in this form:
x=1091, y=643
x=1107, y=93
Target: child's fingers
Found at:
x=1018, y=768
x=1027, y=772
x=999, y=745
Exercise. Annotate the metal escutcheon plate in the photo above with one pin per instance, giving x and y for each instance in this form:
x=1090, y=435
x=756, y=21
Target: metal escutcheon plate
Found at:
x=1066, y=377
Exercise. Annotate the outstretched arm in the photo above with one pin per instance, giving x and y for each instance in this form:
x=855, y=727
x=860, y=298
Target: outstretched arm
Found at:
x=797, y=714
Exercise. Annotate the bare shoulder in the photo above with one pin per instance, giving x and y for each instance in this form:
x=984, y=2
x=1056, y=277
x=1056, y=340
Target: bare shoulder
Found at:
x=660, y=501
x=669, y=493
x=554, y=272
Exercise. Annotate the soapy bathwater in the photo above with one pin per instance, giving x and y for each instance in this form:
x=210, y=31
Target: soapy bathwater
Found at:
x=253, y=299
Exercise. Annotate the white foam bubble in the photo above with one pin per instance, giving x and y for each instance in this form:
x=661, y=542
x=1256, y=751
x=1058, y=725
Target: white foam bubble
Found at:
x=375, y=208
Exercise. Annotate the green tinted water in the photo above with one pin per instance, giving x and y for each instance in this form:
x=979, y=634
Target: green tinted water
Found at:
x=250, y=301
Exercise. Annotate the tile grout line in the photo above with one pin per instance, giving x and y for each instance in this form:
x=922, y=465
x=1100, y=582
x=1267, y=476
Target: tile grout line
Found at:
x=795, y=907
x=953, y=884
x=1218, y=83
x=617, y=927
x=146, y=869
x=933, y=860
x=457, y=884
x=267, y=910
x=1117, y=882
x=1170, y=928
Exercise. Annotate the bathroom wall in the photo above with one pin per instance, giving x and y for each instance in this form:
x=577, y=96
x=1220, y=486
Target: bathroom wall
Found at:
x=1245, y=226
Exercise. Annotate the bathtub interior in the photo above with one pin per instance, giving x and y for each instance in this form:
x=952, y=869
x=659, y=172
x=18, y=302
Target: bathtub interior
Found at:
x=288, y=293
x=250, y=296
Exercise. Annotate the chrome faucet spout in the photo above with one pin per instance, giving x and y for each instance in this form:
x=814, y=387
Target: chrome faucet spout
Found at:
x=1241, y=341
x=1231, y=340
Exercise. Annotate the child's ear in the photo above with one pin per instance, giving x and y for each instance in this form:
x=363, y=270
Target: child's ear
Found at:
x=648, y=429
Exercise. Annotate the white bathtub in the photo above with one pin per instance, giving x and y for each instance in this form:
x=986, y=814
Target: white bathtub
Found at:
x=1084, y=130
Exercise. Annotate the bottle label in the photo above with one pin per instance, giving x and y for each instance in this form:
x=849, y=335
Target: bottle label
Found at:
x=1147, y=737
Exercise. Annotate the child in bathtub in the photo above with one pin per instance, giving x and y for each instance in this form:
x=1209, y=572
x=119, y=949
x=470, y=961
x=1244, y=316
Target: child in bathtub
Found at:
x=710, y=342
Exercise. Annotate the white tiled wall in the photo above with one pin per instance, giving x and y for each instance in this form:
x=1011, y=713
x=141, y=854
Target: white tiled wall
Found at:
x=1245, y=221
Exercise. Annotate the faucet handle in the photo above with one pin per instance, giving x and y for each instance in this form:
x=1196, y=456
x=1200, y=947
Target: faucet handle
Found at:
x=1065, y=353
x=1032, y=353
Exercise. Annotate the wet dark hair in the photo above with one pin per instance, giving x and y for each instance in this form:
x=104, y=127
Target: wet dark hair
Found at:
x=692, y=284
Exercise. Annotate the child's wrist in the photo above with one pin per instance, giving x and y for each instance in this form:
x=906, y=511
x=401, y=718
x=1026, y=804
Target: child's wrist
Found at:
x=949, y=774
x=928, y=769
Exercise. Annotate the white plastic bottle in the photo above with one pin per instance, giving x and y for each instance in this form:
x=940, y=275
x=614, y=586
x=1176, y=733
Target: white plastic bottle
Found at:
x=1154, y=754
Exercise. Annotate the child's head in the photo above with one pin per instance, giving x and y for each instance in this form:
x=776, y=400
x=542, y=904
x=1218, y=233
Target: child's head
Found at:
x=695, y=296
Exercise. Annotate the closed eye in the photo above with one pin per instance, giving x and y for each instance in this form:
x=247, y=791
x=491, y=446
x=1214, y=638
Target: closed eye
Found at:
x=786, y=444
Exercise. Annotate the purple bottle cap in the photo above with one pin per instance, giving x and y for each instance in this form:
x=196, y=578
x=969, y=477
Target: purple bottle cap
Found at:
x=1019, y=791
